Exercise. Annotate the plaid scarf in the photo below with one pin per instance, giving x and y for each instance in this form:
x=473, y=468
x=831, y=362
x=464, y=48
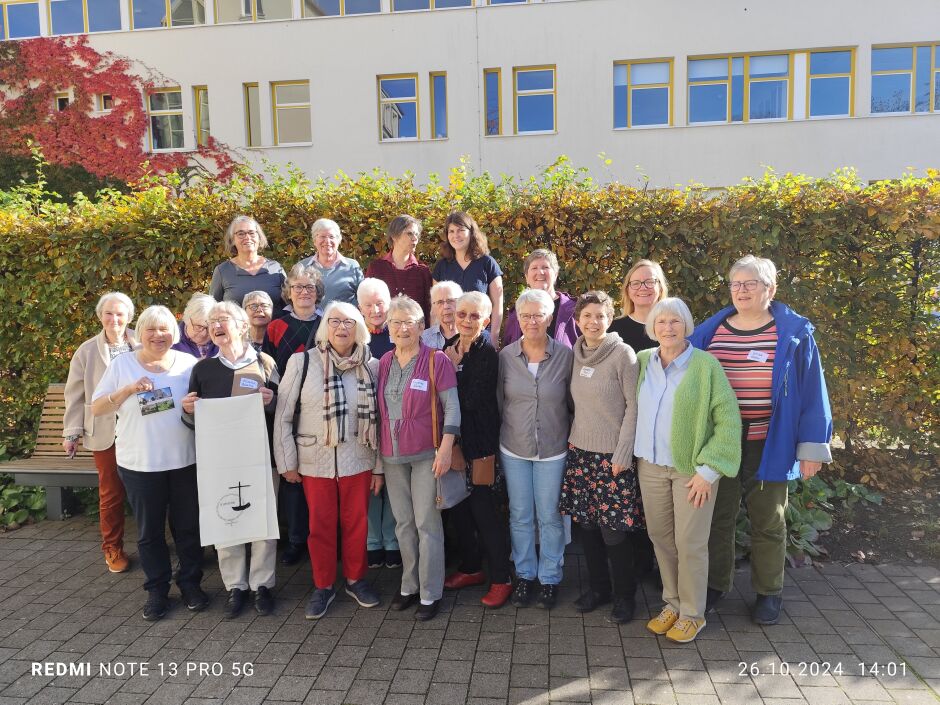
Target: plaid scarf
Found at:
x=335, y=406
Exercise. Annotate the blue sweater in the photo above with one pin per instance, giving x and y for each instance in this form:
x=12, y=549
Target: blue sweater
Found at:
x=800, y=420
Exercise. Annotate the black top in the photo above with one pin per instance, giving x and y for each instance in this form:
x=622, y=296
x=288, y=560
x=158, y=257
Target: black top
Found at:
x=632, y=333
x=380, y=344
x=211, y=379
x=288, y=335
x=478, y=275
x=476, y=387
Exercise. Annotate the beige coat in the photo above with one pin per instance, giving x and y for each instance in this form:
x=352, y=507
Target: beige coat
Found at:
x=85, y=371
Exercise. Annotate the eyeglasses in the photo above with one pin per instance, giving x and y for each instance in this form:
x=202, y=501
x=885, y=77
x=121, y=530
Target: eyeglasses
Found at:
x=245, y=234
x=445, y=302
x=258, y=307
x=198, y=328
x=645, y=283
x=346, y=323
x=749, y=285
x=298, y=288
x=472, y=316
x=221, y=321
x=532, y=317
x=402, y=324
x=327, y=237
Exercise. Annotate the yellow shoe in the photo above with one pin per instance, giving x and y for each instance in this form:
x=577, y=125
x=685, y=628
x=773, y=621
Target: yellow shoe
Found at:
x=685, y=630
x=662, y=623
x=116, y=559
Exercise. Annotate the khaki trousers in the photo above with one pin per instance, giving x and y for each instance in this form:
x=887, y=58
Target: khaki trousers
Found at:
x=679, y=533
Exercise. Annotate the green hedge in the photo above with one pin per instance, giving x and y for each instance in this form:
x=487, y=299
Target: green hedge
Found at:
x=860, y=261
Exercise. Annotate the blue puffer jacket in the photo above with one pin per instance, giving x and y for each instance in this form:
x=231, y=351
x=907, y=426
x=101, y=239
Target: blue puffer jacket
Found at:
x=801, y=420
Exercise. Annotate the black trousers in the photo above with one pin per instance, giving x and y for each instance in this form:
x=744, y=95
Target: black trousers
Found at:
x=293, y=505
x=154, y=497
x=600, y=545
x=478, y=524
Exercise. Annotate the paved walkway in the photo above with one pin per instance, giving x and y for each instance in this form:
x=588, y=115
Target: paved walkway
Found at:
x=59, y=605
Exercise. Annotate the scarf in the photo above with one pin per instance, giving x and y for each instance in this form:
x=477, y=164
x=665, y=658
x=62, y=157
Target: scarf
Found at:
x=585, y=356
x=335, y=405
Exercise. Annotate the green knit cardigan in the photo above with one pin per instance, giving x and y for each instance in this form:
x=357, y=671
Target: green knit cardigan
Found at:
x=706, y=419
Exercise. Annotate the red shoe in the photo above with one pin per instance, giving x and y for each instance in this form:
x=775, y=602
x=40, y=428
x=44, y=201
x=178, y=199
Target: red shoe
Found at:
x=458, y=580
x=498, y=594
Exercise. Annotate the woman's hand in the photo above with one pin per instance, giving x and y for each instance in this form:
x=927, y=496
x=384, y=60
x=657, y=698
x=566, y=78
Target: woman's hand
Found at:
x=266, y=395
x=454, y=353
x=70, y=447
x=189, y=402
x=808, y=468
x=617, y=469
x=378, y=481
x=292, y=476
x=144, y=384
x=442, y=457
x=700, y=490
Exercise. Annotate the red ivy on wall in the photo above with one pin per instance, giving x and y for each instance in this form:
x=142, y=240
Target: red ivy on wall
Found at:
x=106, y=144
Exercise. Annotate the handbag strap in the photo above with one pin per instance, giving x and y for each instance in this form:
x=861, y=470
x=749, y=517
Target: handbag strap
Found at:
x=295, y=423
x=434, y=431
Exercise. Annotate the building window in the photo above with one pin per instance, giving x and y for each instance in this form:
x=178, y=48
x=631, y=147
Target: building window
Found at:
x=104, y=103
x=149, y=14
x=408, y=5
x=492, y=99
x=438, y=105
x=398, y=107
x=534, y=99
x=642, y=93
x=328, y=8
x=905, y=79
x=19, y=20
x=830, y=83
x=739, y=88
x=78, y=16
x=166, y=119
x=62, y=102
x=252, y=114
x=201, y=106
x=506, y=2
x=253, y=10
x=290, y=106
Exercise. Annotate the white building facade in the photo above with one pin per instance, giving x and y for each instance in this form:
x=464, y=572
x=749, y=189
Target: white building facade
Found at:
x=672, y=91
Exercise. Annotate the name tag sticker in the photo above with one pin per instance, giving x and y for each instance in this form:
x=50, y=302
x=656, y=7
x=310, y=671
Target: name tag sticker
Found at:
x=757, y=356
x=460, y=368
x=247, y=383
x=587, y=372
x=420, y=385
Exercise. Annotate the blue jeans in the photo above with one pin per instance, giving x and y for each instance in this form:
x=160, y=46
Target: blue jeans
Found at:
x=381, y=523
x=534, y=488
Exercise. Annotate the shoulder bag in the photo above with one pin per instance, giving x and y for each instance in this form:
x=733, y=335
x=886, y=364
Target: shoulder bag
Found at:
x=452, y=485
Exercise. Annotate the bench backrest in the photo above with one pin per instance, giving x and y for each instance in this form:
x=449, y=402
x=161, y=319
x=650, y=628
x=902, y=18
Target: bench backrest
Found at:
x=49, y=437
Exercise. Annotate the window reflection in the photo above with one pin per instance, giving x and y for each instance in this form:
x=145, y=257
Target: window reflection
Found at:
x=398, y=107
x=535, y=100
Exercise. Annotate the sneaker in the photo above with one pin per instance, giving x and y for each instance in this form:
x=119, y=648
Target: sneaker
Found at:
x=712, y=598
x=116, y=559
x=402, y=602
x=622, y=611
x=235, y=603
x=685, y=630
x=497, y=596
x=362, y=593
x=157, y=605
x=376, y=558
x=293, y=553
x=194, y=598
x=319, y=603
x=547, y=598
x=767, y=609
x=662, y=623
x=458, y=580
x=522, y=593
x=589, y=600
x=392, y=559
x=264, y=601
x=426, y=612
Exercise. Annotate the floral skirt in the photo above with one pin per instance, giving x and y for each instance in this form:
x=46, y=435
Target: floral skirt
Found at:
x=593, y=497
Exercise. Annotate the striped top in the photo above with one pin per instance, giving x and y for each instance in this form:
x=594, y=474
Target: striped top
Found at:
x=747, y=357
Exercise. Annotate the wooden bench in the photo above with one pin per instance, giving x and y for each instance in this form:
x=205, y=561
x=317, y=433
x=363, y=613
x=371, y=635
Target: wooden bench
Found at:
x=48, y=466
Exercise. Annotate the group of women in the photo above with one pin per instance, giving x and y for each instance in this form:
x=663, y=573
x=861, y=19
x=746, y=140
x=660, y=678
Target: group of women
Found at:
x=643, y=430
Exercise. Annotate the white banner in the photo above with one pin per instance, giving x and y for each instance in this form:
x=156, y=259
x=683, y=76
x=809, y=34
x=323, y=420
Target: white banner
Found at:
x=233, y=467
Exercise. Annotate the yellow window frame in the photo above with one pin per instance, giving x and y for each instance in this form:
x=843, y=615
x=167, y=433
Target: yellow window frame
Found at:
x=59, y=96
x=342, y=10
x=432, y=97
x=6, y=20
x=850, y=75
x=99, y=103
x=516, y=94
x=202, y=136
x=518, y=2
x=499, y=101
x=246, y=87
x=287, y=106
x=746, y=109
x=629, y=63
x=432, y=5
x=49, y=19
x=151, y=113
x=254, y=12
x=383, y=101
x=913, y=74
x=169, y=15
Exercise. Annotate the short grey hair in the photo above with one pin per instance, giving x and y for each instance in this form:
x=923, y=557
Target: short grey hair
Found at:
x=303, y=270
x=479, y=300
x=536, y=296
x=541, y=253
x=325, y=224
x=157, y=315
x=198, y=307
x=236, y=312
x=763, y=269
x=117, y=296
x=371, y=285
x=675, y=306
x=453, y=287
x=228, y=241
x=408, y=306
x=350, y=311
x=257, y=294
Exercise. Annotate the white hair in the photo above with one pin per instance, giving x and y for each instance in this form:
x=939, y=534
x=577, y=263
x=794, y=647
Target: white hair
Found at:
x=362, y=333
x=478, y=300
x=763, y=269
x=117, y=296
x=536, y=296
x=236, y=312
x=198, y=306
x=371, y=286
x=452, y=287
x=408, y=306
x=156, y=315
x=257, y=294
x=325, y=224
x=675, y=306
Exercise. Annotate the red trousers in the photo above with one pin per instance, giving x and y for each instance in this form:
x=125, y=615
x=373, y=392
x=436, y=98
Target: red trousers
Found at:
x=110, y=499
x=345, y=499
